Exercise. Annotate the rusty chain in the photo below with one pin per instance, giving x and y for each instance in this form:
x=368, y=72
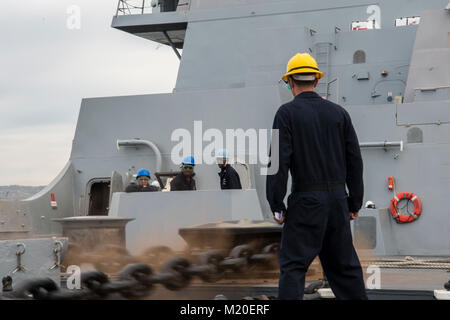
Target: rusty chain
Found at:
x=137, y=281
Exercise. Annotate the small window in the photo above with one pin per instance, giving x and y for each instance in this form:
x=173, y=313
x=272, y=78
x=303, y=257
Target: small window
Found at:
x=414, y=135
x=407, y=21
x=401, y=22
x=413, y=21
x=169, y=5
x=359, y=57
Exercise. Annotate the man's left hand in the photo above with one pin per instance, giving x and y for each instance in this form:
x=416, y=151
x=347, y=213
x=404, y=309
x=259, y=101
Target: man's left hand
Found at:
x=353, y=215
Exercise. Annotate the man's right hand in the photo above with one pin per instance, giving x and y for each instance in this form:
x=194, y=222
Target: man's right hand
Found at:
x=281, y=217
x=353, y=215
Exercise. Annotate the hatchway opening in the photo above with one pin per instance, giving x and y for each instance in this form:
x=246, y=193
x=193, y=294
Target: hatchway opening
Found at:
x=99, y=197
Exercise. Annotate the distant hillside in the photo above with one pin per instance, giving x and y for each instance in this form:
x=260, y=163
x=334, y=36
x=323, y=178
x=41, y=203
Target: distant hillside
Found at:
x=18, y=192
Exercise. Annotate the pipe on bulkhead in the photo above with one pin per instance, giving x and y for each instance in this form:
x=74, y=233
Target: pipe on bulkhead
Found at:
x=145, y=143
x=382, y=144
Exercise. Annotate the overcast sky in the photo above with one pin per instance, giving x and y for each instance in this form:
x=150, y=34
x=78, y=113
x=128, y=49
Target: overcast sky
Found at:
x=46, y=69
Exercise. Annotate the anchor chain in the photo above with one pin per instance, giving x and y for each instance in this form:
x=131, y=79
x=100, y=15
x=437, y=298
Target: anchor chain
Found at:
x=137, y=281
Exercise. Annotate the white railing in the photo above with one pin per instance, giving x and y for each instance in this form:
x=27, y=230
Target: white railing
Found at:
x=126, y=7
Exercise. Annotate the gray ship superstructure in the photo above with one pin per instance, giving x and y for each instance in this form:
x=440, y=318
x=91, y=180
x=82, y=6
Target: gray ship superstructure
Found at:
x=386, y=62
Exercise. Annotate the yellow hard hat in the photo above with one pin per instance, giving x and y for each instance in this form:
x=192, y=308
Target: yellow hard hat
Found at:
x=302, y=63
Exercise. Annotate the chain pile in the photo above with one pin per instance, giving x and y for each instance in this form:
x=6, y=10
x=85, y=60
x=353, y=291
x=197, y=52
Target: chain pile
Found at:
x=137, y=281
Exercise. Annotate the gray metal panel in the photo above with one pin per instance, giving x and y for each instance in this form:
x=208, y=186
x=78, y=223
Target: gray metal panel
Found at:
x=424, y=113
x=240, y=49
x=224, y=9
x=214, y=4
x=422, y=168
x=14, y=222
x=176, y=36
x=94, y=152
x=267, y=26
x=430, y=63
x=37, y=259
x=385, y=235
x=253, y=62
x=431, y=94
x=137, y=20
x=116, y=184
x=365, y=232
x=34, y=215
x=38, y=206
x=159, y=215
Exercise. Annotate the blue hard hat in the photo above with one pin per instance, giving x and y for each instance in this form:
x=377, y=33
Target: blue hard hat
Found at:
x=189, y=160
x=222, y=154
x=142, y=173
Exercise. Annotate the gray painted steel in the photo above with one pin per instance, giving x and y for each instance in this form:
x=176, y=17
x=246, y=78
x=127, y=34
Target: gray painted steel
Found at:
x=159, y=215
x=430, y=66
x=38, y=259
x=234, y=53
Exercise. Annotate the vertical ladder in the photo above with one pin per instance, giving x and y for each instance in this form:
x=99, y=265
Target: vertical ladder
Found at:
x=322, y=56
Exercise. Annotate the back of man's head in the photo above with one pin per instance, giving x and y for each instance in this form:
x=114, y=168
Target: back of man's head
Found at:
x=304, y=80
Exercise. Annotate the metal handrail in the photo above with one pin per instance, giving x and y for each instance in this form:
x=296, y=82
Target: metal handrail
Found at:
x=126, y=7
x=382, y=144
x=146, y=143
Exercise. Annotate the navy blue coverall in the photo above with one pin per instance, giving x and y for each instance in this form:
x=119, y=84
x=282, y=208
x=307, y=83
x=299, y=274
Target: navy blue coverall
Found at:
x=180, y=183
x=319, y=146
x=229, y=178
x=137, y=188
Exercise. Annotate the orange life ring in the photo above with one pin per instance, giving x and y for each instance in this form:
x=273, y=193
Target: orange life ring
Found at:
x=400, y=218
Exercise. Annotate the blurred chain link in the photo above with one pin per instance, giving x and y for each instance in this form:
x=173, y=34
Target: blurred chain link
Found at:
x=137, y=280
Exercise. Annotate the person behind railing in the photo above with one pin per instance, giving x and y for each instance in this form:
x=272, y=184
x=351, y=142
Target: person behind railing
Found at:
x=229, y=178
x=185, y=179
x=143, y=179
